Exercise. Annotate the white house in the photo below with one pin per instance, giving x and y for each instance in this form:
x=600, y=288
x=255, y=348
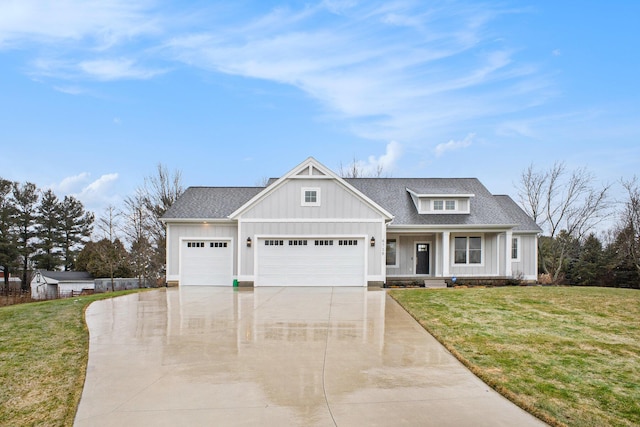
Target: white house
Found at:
x=56, y=284
x=314, y=228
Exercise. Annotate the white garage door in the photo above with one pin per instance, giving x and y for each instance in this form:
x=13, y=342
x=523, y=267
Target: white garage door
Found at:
x=206, y=262
x=310, y=262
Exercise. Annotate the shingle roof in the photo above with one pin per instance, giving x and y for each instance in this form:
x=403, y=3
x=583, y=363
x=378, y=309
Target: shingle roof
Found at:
x=390, y=193
x=511, y=208
x=210, y=202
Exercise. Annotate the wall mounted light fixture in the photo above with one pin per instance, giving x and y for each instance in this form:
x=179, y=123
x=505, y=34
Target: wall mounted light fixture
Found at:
x=248, y=242
x=373, y=241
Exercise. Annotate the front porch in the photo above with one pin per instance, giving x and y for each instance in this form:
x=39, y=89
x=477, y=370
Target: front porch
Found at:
x=413, y=257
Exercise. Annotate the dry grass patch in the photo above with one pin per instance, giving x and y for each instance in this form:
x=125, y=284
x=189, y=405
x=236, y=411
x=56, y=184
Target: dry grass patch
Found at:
x=43, y=359
x=571, y=356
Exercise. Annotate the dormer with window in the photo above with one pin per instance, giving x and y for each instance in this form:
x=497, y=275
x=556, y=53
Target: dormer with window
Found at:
x=434, y=204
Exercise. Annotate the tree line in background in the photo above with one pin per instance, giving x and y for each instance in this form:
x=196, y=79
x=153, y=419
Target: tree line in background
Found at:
x=40, y=231
x=570, y=209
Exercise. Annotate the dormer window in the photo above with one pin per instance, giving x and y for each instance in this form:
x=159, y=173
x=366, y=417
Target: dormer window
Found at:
x=446, y=205
x=310, y=197
x=449, y=203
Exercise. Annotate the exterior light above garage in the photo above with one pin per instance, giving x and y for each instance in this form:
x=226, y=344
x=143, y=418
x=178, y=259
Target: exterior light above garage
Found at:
x=248, y=242
x=373, y=241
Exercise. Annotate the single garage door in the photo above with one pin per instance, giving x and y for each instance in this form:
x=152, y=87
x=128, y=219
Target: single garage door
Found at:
x=206, y=262
x=310, y=262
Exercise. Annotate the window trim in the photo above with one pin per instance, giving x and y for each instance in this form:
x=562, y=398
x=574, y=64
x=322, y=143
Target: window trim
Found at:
x=395, y=240
x=467, y=251
x=305, y=190
x=516, y=243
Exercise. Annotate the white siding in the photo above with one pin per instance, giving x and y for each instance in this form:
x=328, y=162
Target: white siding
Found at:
x=528, y=265
x=336, y=202
x=175, y=232
x=489, y=266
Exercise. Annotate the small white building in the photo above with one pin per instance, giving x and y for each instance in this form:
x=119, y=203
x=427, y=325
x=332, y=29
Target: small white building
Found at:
x=57, y=284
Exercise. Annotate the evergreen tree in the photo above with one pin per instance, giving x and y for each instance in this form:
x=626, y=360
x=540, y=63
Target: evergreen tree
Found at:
x=76, y=226
x=26, y=200
x=590, y=267
x=8, y=237
x=49, y=218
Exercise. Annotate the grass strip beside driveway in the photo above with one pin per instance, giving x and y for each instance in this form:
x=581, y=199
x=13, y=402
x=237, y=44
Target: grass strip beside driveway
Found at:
x=570, y=356
x=43, y=359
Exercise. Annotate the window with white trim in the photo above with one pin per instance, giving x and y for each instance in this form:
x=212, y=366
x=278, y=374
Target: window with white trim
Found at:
x=450, y=205
x=438, y=205
x=391, y=251
x=310, y=197
x=515, y=249
x=467, y=250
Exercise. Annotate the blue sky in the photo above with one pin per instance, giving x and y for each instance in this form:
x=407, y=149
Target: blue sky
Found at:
x=95, y=93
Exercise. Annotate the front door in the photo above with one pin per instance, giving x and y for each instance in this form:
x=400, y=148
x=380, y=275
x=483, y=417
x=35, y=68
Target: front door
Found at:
x=422, y=258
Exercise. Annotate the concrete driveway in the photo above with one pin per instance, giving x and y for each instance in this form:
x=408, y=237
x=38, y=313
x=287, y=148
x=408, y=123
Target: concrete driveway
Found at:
x=276, y=357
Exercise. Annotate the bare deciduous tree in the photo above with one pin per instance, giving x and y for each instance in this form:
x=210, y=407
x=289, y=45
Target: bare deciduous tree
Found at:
x=559, y=200
x=356, y=169
x=628, y=240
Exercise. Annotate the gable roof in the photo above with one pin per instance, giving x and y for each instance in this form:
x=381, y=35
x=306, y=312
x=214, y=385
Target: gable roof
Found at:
x=390, y=196
x=311, y=168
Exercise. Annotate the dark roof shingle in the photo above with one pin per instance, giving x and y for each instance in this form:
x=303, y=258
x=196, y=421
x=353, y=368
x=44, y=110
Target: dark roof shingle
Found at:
x=390, y=193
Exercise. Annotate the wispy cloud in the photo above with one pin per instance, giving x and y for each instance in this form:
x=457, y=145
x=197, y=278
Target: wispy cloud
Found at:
x=393, y=70
x=102, y=23
x=117, y=69
x=388, y=70
x=453, y=145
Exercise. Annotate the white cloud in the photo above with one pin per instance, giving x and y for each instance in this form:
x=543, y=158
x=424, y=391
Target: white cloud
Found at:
x=72, y=184
x=115, y=69
x=99, y=193
x=454, y=145
x=384, y=164
x=104, y=22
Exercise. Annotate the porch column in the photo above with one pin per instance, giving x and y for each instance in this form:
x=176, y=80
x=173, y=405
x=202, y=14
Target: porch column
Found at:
x=508, y=247
x=445, y=253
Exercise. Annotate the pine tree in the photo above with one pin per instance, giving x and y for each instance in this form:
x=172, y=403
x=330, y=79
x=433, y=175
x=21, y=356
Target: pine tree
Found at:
x=8, y=237
x=76, y=226
x=49, y=217
x=26, y=201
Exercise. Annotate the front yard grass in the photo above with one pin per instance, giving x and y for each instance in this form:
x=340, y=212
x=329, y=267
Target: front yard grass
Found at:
x=570, y=356
x=43, y=358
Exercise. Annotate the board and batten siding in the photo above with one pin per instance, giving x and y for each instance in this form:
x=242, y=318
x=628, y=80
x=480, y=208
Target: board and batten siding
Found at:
x=335, y=202
x=177, y=232
x=311, y=230
x=528, y=264
x=489, y=265
x=405, y=253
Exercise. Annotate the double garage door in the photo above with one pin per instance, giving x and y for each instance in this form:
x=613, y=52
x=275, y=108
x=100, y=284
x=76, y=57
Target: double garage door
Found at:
x=310, y=262
x=278, y=262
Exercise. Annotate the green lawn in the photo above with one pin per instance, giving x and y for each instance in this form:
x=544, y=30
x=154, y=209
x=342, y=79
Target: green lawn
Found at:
x=43, y=359
x=571, y=356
